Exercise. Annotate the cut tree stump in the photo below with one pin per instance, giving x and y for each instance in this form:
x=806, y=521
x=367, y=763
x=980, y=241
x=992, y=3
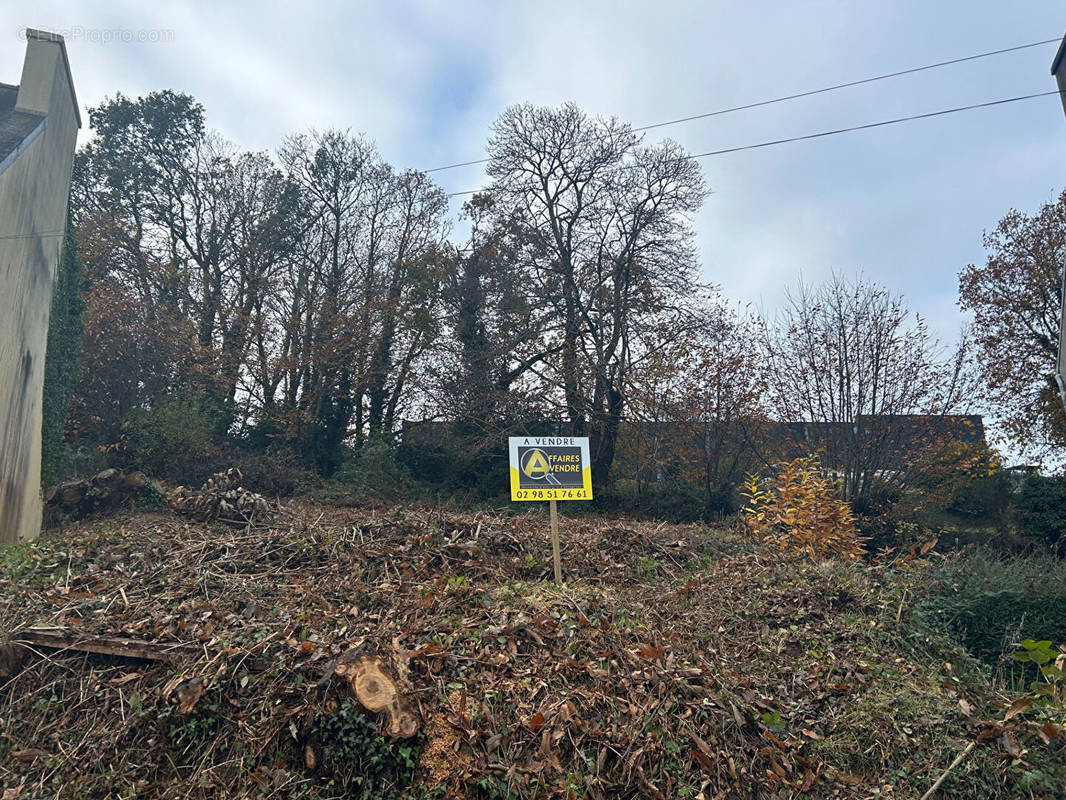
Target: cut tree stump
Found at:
x=376, y=690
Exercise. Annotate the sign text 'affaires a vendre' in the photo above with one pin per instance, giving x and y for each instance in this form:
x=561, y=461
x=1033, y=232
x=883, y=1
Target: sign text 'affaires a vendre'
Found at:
x=550, y=468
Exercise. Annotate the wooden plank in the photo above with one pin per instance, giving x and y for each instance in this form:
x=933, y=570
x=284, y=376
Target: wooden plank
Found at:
x=62, y=639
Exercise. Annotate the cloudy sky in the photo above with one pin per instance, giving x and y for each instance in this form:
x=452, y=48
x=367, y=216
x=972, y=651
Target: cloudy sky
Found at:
x=903, y=204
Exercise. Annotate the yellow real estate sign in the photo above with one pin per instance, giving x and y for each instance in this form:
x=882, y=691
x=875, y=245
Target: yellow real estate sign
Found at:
x=550, y=468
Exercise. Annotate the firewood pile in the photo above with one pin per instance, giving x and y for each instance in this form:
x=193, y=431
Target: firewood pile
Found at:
x=221, y=499
x=104, y=491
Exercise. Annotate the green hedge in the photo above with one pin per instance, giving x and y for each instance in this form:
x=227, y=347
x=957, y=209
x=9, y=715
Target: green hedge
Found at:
x=174, y=440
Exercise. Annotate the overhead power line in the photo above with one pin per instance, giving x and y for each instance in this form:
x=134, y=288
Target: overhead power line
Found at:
x=771, y=101
x=895, y=121
x=848, y=84
x=798, y=95
x=759, y=145
x=849, y=129
x=34, y=235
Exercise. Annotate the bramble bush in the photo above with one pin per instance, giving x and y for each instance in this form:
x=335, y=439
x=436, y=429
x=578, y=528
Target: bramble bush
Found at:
x=676, y=502
x=372, y=472
x=798, y=509
x=272, y=472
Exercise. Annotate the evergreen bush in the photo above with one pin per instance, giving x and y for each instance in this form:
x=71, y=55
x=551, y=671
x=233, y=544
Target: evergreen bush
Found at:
x=1040, y=509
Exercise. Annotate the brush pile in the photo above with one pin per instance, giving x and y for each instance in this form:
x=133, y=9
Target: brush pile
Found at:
x=420, y=654
x=222, y=499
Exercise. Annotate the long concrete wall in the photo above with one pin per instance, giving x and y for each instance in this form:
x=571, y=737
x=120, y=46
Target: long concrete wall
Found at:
x=34, y=188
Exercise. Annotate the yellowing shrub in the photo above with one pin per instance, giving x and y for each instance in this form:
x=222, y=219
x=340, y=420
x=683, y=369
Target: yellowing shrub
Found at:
x=798, y=510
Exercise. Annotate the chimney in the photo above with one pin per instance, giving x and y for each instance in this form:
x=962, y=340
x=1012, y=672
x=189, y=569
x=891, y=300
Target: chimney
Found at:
x=46, y=80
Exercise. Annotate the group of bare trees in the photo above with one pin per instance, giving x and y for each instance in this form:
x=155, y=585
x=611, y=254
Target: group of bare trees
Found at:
x=842, y=370
x=315, y=299
x=359, y=300
x=182, y=238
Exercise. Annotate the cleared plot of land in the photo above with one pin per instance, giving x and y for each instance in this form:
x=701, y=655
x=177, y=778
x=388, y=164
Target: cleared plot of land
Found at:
x=677, y=661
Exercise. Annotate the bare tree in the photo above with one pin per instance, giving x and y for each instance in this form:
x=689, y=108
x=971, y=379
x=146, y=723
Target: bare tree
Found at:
x=362, y=296
x=851, y=363
x=609, y=220
x=696, y=401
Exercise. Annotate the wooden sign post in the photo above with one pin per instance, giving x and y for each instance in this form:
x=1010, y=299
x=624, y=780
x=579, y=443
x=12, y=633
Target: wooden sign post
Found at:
x=557, y=556
x=550, y=468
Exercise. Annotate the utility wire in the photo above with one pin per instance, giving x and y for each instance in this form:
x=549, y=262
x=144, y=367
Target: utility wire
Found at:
x=874, y=124
x=849, y=83
x=836, y=131
x=798, y=95
x=782, y=99
x=35, y=235
x=760, y=145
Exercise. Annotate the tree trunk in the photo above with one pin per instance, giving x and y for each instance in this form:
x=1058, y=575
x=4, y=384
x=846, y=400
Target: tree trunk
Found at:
x=604, y=439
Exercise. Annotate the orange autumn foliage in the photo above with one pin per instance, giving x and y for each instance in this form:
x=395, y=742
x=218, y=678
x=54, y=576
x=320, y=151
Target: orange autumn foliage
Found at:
x=798, y=510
